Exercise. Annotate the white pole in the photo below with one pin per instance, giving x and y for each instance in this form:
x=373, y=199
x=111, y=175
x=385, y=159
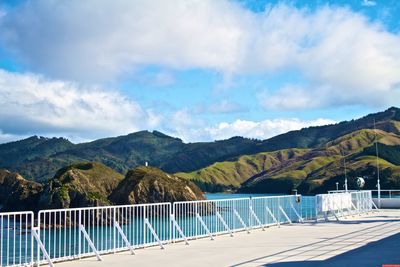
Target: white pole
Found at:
x=345, y=173
x=378, y=184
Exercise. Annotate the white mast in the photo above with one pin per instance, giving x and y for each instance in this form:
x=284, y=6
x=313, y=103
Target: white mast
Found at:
x=345, y=172
x=378, y=184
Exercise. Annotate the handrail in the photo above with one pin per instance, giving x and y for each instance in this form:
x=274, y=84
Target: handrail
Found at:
x=67, y=234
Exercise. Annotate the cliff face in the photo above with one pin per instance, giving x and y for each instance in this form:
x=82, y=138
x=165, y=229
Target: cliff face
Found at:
x=16, y=193
x=80, y=185
x=150, y=185
x=93, y=184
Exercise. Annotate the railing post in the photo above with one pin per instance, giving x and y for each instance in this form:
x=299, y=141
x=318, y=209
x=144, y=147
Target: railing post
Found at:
x=79, y=235
x=32, y=244
x=171, y=227
x=316, y=207
x=144, y=225
x=250, y=217
x=114, y=229
x=38, y=248
x=195, y=225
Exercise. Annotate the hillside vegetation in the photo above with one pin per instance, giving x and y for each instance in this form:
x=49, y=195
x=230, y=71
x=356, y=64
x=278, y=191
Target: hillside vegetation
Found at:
x=16, y=193
x=310, y=159
x=38, y=158
x=319, y=169
x=229, y=175
x=308, y=170
x=90, y=184
x=151, y=185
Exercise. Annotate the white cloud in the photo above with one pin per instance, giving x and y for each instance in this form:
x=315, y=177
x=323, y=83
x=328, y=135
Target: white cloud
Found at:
x=102, y=39
x=31, y=104
x=184, y=125
x=261, y=129
x=344, y=58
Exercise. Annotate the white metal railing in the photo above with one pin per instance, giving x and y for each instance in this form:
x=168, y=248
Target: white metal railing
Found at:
x=342, y=203
x=386, y=193
x=67, y=234
x=75, y=233
x=383, y=193
x=16, y=240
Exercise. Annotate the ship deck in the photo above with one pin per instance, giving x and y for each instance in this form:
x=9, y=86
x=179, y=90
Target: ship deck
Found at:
x=369, y=240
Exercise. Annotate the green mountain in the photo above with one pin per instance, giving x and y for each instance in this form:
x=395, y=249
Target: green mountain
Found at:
x=304, y=153
x=309, y=170
x=126, y=152
x=319, y=169
x=33, y=147
x=39, y=158
x=229, y=175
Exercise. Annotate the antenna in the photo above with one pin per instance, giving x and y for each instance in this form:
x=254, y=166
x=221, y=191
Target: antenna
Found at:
x=345, y=171
x=378, y=184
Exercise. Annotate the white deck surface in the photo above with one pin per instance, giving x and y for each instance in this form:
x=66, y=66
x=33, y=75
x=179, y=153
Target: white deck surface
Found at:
x=368, y=240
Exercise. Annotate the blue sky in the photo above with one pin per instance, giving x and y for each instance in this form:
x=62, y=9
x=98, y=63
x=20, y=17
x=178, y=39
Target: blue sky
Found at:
x=199, y=70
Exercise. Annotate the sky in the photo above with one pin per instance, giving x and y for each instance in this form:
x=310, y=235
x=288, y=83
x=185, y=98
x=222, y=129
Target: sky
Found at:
x=198, y=70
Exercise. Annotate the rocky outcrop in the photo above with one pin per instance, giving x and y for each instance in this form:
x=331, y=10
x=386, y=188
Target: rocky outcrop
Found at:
x=93, y=184
x=150, y=185
x=80, y=185
x=16, y=193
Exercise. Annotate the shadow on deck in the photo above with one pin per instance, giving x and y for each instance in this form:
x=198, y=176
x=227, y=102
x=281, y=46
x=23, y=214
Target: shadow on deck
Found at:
x=374, y=253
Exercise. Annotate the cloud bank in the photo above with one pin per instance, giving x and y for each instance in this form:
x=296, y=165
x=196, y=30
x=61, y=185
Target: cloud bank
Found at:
x=31, y=104
x=29, y=101
x=344, y=58
x=187, y=127
x=341, y=57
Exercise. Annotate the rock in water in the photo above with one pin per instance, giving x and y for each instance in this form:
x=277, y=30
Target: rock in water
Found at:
x=80, y=185
x=151, y=185
x=16, y=193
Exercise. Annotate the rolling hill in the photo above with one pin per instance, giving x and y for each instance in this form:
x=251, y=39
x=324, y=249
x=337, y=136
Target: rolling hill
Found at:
x=295, y=156
x=308, y=170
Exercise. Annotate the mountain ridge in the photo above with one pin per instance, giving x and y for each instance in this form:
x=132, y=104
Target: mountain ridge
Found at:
x=171, y=154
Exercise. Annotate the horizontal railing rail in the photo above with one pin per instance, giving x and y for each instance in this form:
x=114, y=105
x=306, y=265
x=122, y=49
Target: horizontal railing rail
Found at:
x=67, y=234
x=386, y=193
